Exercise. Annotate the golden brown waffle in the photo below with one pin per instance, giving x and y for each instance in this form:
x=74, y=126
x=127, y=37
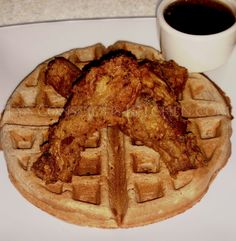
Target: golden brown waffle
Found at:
x=130, y=190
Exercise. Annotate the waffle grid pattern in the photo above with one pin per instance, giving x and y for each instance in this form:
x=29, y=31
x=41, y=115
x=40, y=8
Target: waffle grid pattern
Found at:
x=34, y=106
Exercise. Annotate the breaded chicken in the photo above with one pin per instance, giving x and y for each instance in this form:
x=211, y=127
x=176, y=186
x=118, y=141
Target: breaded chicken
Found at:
x=120, y=92
x=172, y=74
x=146, y=122
x=61, y=74
x=104, y=91
x=155, y=120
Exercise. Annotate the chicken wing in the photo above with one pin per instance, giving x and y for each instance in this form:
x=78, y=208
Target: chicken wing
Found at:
x=61, y=74
x=155, y=120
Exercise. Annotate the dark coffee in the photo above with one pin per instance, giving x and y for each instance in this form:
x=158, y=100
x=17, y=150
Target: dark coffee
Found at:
x=199, y=17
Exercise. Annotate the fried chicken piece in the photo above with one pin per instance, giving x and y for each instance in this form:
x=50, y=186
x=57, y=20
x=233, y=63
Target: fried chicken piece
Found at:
x=61, y=74
x=98, y=99
x=156, y=121
x=145, y=122
x=118, y=91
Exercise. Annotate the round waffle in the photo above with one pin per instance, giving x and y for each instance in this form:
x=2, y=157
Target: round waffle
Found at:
x=151, y=194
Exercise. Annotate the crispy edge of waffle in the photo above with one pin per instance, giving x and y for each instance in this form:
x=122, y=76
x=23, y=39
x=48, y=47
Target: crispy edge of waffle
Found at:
x=178, y=196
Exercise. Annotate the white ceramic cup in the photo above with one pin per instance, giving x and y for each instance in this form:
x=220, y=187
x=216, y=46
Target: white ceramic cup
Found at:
x=198, y=53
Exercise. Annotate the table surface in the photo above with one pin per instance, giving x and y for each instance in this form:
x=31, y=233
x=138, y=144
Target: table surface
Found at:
x=27, y=11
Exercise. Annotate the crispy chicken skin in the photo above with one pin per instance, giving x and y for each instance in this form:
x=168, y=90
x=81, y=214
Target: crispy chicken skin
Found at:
x=119, y=91
x=173, y=75
x=61, y=74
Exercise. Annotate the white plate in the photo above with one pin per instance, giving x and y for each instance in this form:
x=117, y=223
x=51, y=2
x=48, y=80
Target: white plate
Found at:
x=22, y=47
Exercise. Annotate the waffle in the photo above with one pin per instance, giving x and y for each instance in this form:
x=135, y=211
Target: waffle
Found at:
x=132, y=190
